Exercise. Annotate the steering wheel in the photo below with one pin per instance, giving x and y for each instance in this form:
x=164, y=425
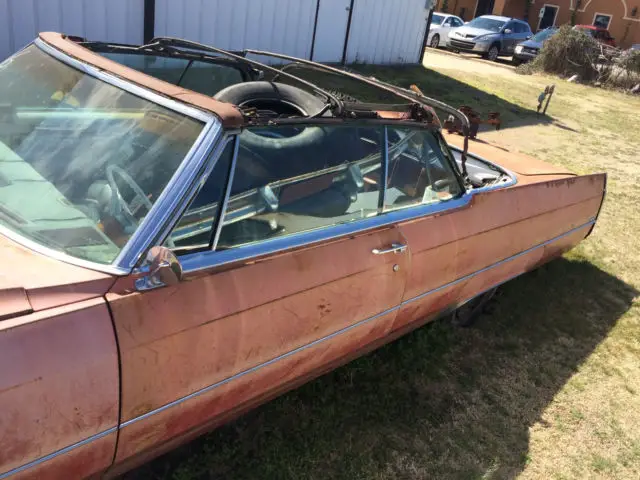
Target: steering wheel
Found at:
x=120, y=209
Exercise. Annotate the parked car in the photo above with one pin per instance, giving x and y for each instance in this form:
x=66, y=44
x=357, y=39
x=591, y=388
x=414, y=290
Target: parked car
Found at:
x=490, y=35
x=602, y=35
x=441, y=25
x=172, y=259
x=529, y=49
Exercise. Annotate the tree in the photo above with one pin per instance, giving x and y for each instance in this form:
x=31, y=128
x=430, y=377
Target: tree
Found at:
x=574, y=14
x=445, y=6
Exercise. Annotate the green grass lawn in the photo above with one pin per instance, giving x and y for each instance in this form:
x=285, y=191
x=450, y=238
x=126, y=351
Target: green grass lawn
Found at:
x=546, y=385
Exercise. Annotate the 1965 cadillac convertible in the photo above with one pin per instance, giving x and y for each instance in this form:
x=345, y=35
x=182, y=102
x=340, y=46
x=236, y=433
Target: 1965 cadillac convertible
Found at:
x=187, y=233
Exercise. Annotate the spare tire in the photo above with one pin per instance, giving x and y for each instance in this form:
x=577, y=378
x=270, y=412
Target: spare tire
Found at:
x=246, y=94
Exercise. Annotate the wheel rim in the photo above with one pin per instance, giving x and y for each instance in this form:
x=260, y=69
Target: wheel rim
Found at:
x=435, y=41
x=493, y=53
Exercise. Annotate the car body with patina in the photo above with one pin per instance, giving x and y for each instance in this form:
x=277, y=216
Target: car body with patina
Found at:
x=441, y=25
x=491, y=36
x=171, y=260
x=529, y=49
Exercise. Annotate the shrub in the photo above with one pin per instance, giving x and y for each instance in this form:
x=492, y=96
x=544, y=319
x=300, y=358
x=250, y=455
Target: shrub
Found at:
x=567, y=53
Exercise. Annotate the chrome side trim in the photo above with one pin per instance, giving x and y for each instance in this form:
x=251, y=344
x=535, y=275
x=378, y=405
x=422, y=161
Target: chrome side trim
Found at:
x=196, y=262
x=227, y=194
x=351, y=327
x=497, y=264
x=62, y=451
x=257, y=367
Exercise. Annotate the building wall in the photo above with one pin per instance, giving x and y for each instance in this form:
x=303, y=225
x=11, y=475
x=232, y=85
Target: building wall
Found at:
x=623, y=27
x=110, y=20
x=463, y=8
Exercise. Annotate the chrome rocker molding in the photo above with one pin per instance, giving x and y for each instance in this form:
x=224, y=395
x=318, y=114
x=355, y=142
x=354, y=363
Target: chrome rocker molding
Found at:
x=57, y=453
x=204, y=390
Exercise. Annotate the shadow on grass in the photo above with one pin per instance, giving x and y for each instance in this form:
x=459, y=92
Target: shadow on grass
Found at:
x=441, y=402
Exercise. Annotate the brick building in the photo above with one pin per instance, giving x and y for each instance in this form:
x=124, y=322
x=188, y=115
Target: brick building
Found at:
x=621, y=17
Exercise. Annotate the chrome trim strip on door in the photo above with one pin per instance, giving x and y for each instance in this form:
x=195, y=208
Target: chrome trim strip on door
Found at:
x=62, y=451
x=351, y=327
x=257, y=367
x=195, y=262
x=497, y=264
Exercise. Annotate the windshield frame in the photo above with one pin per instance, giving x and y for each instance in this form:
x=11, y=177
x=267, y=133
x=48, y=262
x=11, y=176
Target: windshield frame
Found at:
x=152, y=225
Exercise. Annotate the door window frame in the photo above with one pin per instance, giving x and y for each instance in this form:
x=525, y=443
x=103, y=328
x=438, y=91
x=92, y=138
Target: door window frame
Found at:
x=192, y=263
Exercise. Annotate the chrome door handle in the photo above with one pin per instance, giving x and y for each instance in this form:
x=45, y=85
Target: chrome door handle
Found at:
x=395, y=248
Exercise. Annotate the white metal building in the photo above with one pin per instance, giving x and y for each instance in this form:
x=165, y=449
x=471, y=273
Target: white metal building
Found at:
x=369, y=31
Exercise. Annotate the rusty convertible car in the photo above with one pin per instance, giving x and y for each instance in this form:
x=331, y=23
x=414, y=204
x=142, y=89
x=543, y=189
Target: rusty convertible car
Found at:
x=186, y=232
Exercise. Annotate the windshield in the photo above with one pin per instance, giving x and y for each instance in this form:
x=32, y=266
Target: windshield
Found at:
x=203, y=77
x=437, y=19
x=543, y=35
x=81, y=161
x=484, y=23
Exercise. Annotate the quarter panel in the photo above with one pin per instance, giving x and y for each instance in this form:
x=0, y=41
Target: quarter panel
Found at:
x=497, y=225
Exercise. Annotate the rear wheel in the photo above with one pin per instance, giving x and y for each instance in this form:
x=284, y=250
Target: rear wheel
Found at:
x=435, y=41
x=467, y=314
x=493, y=53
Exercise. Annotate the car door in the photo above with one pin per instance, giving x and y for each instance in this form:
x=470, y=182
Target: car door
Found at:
x=524, y=32
x=423, y=180
x=298, y=275
x=446, y=28
x=509, y=38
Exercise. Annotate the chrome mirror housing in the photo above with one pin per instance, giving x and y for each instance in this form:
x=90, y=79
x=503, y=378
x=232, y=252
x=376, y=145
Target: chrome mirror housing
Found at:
x=160, y=268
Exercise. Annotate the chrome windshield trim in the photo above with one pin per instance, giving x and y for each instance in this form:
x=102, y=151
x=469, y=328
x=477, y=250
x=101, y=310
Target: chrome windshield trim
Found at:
x=155, y=225
x=144, y=235
x=125, y=84
x=152, y=226
x=62, y=451
x=355, y=325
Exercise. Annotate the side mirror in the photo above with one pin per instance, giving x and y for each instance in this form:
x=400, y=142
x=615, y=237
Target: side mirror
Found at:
x=529, y=37
x=160, y=268
x=508, y=31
